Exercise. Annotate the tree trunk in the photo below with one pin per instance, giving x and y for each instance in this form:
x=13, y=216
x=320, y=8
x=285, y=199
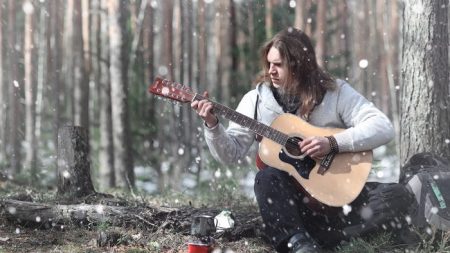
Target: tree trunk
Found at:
x=148, y=38
x=68, y=61
x=14, y=93
x=343, y=38
x=106, y=149
x=86, y=25
x=123, y=163
x=202, y=52
x=234, y=48
x=425, y=105
x=320, y=32
x=81, y=78
x=29, y=81
x=2, y=96
x=360, y=35
x=391, y=46
x=269, y=19
x=54, y=68
x=382, y=83
x=43, y=88
x=308, y=25
x=299, y=21
x=74, y=176
x=223, y=52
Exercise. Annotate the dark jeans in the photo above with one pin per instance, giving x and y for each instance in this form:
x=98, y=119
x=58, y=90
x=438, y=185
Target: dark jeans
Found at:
x=284, y=212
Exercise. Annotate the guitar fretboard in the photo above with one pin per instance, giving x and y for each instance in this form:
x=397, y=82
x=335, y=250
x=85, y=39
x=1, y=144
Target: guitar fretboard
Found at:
x=248, y=122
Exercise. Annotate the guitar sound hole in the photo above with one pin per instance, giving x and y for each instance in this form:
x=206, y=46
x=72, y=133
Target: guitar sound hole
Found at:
x=292, y=147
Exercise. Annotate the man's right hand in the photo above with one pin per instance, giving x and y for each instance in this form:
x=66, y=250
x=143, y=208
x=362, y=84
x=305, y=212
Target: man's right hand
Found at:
x=204, y=110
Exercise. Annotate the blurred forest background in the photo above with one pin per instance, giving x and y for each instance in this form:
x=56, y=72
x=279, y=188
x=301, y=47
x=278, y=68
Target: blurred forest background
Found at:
x=90, y=62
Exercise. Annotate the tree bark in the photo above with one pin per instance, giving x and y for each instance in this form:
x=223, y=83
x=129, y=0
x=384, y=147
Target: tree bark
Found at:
x=299, y=21
x=269, y=19
x=320, y=32
x=391, y=46
x=123, y=162
x=2, y=96
x=425, y=112
x=74, y=176
x=68, y=61
x=43, y=84
x=234, y=47
x=106, y=148
x=30, y=91
x=81, y=76
x=223, y=52
x=202, y=52
x=55, y=69
x=14, y=93
x=360, y=35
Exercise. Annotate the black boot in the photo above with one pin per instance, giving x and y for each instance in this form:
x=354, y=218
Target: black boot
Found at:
x=300, y=243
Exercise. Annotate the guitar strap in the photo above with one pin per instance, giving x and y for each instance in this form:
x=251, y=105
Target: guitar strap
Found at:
x=326, y=162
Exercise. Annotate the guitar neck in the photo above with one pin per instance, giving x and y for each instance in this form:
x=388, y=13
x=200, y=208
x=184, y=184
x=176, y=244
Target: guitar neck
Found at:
x=245, y=121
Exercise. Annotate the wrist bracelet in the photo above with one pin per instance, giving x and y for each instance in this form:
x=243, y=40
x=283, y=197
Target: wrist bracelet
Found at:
x=334, y=148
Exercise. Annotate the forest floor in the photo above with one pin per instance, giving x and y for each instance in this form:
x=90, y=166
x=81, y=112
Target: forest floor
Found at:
x=14, y=238
x=161, y=232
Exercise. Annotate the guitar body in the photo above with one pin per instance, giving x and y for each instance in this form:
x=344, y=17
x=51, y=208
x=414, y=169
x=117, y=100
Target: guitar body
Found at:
x=339, y=185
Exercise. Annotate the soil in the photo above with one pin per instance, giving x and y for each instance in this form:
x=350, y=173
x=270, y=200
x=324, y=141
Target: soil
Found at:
x=169, y=232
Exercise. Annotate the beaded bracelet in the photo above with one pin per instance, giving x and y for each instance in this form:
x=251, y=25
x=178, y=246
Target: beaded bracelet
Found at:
x=334, y=148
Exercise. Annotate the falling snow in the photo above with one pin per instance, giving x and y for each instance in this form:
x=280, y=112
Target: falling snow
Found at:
x=363, y=63
x=346, y=209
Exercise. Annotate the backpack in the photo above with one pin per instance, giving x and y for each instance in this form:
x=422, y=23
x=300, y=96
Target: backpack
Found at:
x=427, y=177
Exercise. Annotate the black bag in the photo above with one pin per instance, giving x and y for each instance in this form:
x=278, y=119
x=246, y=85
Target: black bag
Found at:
x=427, y=176
x=388, y=205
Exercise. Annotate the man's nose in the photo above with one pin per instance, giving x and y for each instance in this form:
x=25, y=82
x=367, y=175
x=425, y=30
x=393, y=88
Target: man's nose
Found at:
x=272, y=69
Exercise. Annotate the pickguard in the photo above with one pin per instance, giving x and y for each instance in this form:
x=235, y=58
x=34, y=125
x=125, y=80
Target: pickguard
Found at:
x=302, y=166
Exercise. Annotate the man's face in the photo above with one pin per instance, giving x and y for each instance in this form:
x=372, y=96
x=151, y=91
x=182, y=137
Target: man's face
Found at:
x=277, y=69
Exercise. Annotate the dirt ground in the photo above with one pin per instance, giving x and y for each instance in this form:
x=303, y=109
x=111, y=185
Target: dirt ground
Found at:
x=71, y=238
x=16, y=238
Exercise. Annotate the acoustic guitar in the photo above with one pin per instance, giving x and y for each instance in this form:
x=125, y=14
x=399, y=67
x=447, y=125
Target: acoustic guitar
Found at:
x=335, y=186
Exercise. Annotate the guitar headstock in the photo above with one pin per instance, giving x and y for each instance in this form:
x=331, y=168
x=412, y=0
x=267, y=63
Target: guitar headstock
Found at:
x=172, y=90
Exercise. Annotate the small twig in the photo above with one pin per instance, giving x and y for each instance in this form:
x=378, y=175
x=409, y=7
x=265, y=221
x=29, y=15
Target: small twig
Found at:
x=144, y=220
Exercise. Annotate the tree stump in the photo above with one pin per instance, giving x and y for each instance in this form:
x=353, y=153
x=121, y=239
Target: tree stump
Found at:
x=74, y=178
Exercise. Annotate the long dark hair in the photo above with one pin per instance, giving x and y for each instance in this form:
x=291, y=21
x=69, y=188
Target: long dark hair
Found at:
x=305, y=77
